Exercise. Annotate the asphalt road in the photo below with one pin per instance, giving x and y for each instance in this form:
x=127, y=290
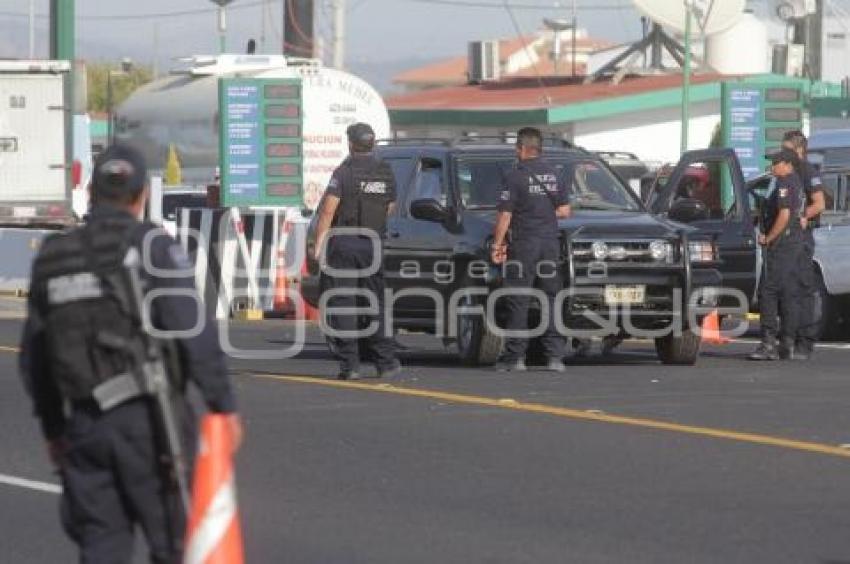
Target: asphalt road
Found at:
x=620, y=459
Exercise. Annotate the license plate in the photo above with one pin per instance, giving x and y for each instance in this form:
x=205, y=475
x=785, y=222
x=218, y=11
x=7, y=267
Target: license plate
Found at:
x=625, y=295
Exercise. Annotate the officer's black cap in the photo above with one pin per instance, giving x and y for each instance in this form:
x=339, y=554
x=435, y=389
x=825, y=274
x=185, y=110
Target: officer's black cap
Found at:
x=120, y=174
x=783, y=155
x=361, y=135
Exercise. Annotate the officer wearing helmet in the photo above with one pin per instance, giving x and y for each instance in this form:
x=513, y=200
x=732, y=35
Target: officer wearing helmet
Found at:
x=87, y=357
x=352, y=221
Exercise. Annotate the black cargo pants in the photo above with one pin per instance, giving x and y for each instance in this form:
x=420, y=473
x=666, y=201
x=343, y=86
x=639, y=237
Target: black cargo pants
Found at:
x=810, y=306
x=780, y=292
x=532, y=263
x=113, y=480
x=356, y=253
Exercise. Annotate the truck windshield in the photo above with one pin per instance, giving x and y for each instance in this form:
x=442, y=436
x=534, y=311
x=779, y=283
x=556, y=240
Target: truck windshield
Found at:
x=590, y=184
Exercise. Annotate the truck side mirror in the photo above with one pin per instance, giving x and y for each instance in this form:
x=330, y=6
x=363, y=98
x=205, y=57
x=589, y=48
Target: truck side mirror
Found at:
x=429, y=209
x=687, y=210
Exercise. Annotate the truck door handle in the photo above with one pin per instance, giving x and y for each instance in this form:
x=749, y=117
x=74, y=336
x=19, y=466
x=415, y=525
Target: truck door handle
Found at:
x=394, y=234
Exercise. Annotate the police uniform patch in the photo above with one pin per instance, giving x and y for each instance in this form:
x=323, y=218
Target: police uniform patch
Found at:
x=179, y=257
x=505, y=196
x=783, y=192
x=334, y=183
x=73, y=287
x=373, y=187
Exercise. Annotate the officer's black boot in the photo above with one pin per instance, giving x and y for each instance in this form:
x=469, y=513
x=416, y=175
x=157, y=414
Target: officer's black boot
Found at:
x=765, y=351
x=803, y=350
x=786, y=349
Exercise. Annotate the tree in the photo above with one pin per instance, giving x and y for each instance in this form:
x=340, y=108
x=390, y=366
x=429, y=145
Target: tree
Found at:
x=173, y=171
x=122, y=84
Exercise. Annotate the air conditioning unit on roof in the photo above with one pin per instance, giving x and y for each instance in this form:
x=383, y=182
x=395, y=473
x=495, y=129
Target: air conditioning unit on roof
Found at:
x=484, y=63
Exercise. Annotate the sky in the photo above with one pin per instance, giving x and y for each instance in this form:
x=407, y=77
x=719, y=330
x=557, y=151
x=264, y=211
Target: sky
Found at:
x=378, y=30
x=383, y=36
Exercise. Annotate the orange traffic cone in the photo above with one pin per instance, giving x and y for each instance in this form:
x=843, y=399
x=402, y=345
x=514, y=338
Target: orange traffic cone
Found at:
x=711, y=330
x=213, y=535
x=310, y=313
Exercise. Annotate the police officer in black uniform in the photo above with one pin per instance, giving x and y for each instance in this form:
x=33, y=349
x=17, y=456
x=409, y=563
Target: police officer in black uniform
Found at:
x=807, y=330
x=360, y=196
x=102, y=431
x=532, y=200
x=782, y=240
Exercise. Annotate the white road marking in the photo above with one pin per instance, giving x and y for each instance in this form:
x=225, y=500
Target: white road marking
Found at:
x=30, y=484
x=833, y=346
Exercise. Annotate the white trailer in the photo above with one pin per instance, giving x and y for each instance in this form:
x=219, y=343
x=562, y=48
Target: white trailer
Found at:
x=35, y=177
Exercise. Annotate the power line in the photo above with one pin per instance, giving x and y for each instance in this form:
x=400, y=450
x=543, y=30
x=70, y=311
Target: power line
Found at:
x=143, y=16
x=521, y=35
x=523, y=6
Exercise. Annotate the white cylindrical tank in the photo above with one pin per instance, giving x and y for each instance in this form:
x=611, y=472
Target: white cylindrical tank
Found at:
x=183, y=111
x=740, y=49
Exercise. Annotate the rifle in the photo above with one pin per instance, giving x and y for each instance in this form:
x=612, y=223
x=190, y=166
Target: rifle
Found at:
x=149, y=370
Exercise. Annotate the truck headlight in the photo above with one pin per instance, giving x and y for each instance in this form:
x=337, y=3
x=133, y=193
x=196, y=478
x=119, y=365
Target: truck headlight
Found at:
x=702, y=251
x=660, y=250
x=599, y=250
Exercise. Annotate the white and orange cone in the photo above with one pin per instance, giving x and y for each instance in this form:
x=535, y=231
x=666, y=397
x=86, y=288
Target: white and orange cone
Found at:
x=213, y=533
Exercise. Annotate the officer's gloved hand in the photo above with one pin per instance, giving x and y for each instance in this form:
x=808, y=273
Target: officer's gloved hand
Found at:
x=234, y=422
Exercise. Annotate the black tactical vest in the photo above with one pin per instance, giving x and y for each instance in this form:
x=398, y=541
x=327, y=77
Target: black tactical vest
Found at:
x=367, y=186
x=80, y=286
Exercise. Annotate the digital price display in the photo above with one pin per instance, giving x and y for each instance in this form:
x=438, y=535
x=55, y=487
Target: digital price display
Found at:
x=783, y=114
x=783, y=94
x=283, y=150
x=287, y=111
x=279, y=130
x=283, y=189
x=282, y=92
x=775, y=134
x=283, y=169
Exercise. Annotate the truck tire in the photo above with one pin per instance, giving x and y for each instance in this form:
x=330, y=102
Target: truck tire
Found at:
x=678, y=349
x=477, y=345
x=830, y=326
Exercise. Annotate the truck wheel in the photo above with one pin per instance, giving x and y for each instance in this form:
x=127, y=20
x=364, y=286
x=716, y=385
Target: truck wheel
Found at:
x=476, y=344
x=678, y=349
x=829, y=321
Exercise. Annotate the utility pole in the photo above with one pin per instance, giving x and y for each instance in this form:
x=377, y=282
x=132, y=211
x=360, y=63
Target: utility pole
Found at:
x=686, y=77
x=222, y=24
x=62, y=43
x=339, y=34
x=263, y=11
x=32, y=29
x=155, y=64
x=575, y=31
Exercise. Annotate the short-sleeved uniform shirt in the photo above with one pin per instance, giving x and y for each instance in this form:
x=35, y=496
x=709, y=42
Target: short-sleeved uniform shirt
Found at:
x=812, y=184
x=532, y=191
x=788, y=194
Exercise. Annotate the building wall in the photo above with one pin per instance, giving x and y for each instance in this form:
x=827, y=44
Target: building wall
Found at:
x=653, y=135
x=835, y=61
